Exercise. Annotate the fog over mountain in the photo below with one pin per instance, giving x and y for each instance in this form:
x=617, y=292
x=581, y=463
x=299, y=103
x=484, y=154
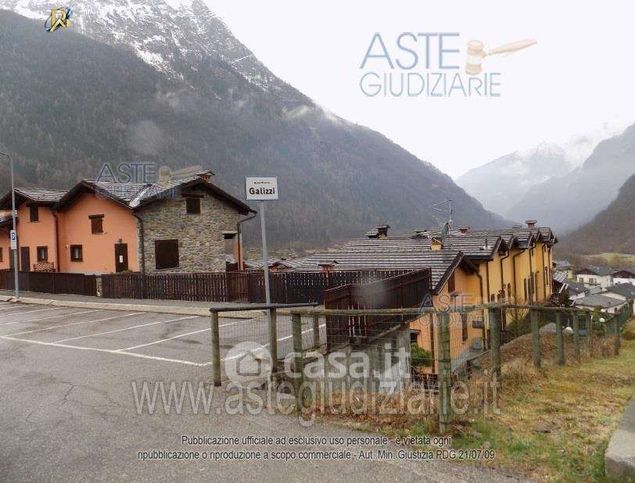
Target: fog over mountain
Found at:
x=169, y=84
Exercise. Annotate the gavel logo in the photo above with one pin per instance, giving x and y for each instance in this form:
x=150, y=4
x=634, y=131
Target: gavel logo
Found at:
x=476, y=53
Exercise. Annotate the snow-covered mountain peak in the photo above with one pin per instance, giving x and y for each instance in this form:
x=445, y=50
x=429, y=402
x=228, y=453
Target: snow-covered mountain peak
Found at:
x=174, y=36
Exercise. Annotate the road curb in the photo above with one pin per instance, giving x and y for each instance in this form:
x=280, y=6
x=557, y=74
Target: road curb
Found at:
x=619, y=459
x=158, y=309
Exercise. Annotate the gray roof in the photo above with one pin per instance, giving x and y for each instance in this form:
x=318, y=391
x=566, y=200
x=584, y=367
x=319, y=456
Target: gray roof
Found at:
x=599, y=300
x=625, y=289
x=133, y=195
x=34, y=195
x=387, y=254
x=576, y=287
x=560, y=277
x=597, y=270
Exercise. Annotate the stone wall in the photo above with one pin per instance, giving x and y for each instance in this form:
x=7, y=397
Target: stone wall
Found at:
x=201, y=243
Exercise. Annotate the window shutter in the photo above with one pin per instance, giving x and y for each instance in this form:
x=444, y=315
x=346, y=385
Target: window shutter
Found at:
x=166, y=253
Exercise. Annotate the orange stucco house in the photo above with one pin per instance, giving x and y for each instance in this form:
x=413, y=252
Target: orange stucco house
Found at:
x=187, y=225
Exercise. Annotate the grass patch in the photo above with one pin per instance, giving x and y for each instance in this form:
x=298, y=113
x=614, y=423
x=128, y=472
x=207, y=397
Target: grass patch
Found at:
x=556, y=424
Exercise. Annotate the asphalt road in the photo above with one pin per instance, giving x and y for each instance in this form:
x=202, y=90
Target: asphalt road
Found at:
x=69, y=411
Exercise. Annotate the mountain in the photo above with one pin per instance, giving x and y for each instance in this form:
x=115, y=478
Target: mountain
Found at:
x=569, y=201
x=151, y=83
x=499, y=183
x=611, y=231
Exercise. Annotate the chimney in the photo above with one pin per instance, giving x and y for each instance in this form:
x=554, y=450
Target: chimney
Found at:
x=382, y=231
x=464, y=229
x=205, y=175
x=328, y=267
x=436, y=244
x=531, y=223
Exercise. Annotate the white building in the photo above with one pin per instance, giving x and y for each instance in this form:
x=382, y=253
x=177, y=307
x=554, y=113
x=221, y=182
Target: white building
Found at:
x=623, y=276
x=595, y=276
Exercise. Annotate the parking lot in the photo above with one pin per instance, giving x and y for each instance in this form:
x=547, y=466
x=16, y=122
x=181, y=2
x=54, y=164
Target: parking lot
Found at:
x=69, y=410
x=177, y=339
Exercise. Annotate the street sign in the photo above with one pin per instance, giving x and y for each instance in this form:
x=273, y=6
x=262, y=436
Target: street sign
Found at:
x=14, y=240
x=261, y=189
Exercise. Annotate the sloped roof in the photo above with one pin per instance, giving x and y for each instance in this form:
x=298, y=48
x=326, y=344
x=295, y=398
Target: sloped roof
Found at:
x=560, y=277
x=42, y=196
x=396, y=253
x=576, y=287
x=625, y=289
x=600, y=271
x=135, y=195
x=598, y=300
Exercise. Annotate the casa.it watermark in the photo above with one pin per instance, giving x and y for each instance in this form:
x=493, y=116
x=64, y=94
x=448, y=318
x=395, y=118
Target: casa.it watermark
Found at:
x=431, y=64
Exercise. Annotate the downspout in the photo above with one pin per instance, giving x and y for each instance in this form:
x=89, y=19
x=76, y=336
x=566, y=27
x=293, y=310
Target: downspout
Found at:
x=57, y=242
x=241, y=264
x=545, y=276
x=514, y=271
x=480, y=285
x=142, y=262
x=532, y=285
x=142, y=245
x=488, y=286
x=502, y=271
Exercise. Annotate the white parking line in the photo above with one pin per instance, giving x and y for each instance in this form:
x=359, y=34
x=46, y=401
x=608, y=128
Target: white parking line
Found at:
x=265, y=345
x=127, y=328
x=172, y=338
x=48, y=318
x=38, y=310
x=13, y=306
x=74, y=323
x=107, y=351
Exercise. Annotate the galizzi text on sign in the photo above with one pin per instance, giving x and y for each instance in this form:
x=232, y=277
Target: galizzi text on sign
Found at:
x=261, y=189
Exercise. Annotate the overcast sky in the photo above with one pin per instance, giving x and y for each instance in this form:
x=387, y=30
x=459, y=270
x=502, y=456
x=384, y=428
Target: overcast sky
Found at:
x=578, y=77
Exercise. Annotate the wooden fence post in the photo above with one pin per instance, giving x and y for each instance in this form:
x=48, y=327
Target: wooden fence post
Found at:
x=316, y=331
x=495, y=347
x=576, y=336
x=618, y=333
x=273, y=338
x=559, y=339
x=216, y=349
x=445, y=372
x=589, y=332
x=298, y=361
x=535, y=337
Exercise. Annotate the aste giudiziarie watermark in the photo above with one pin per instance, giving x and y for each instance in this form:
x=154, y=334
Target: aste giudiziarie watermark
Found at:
x=431, y=64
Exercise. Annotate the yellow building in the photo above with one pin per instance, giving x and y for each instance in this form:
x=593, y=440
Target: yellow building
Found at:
x=468, y=268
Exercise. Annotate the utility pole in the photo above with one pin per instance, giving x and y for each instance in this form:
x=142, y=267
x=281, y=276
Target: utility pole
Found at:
x=13, y=216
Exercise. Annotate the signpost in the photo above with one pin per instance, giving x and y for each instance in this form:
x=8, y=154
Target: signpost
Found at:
x=262, y=189
x=14, y=238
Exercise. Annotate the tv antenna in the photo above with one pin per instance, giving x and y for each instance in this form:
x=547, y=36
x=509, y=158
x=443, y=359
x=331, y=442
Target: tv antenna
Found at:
x=443, y=208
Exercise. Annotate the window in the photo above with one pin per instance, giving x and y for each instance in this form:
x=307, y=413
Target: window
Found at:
x=34, y=213
x=451, y=284
x=193, y=206
x=525, y=287
x=1, y=259
x=96, y=224
x=77, y=253
x=166, y=254
x=42, y=254
x=414, y=336
x=464, y=326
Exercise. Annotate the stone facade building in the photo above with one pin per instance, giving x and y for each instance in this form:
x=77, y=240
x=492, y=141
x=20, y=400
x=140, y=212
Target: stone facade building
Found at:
x=204, y=239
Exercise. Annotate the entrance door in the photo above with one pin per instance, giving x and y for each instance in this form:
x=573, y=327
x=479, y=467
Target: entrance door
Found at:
x=121, y=257
x=25, y=259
